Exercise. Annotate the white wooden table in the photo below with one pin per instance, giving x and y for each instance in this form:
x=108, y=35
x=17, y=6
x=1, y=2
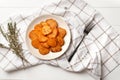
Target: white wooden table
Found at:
x=110, y=9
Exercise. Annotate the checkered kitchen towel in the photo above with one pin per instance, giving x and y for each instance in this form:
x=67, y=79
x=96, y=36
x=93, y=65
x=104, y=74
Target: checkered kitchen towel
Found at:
x=100, y=48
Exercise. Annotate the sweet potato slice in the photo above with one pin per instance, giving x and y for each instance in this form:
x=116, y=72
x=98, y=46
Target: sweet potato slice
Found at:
x=35, y=43
x=60, y=40
x=52, y=23
x=44, y=24
x=54, y=33
x=62, y=32
x=57, y=48
x=43, y=50
x=42, y=38
x=44, y=44
x=32, y=35
x=52, y=42
x=46, y=30
x=38, y=27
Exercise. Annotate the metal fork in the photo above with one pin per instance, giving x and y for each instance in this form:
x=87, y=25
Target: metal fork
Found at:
x=86, y=31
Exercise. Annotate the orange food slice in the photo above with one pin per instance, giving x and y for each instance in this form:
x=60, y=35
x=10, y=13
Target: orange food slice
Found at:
x=35, y=43
x=62, y=32
x=46, y=30
x=52, y=23
x=32, y=35
x=54, y=33
x=44, y=44
x=52, y=42
x=44, y=24
x=38, y=27
x=43, y=50
x=41, y=37
x=56, y=48
x=60, y=40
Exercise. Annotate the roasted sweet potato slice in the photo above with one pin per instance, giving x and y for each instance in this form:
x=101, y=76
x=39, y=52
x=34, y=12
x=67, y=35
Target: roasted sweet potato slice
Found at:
x=42, y=38
x=44, y=44
x=62, y=32
x=38, y=27
x=60, y=40
x=52, y=42
x=46, y=30
x=44, y=24
x=43, y=50
x=57, y=48
x=52, y=23
x=54, y=33
x=35, y=43
x=32, y=35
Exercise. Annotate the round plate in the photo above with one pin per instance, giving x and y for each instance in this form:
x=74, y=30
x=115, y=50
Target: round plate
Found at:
x=50, y=55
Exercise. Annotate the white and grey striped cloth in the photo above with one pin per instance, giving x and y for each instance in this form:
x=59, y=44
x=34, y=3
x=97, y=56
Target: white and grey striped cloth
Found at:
x=100, y=48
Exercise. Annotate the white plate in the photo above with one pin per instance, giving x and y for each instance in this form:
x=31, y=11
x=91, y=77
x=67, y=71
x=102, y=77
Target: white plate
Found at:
x=51, y=55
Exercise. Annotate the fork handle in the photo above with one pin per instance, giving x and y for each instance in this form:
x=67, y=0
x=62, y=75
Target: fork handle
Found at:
x=73, y=53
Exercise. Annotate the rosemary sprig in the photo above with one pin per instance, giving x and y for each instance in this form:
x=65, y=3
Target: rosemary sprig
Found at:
x=3, y=46
x=12, y=37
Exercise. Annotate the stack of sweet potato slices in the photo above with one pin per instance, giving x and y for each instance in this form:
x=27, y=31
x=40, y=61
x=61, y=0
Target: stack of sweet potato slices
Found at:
x=47, y=36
